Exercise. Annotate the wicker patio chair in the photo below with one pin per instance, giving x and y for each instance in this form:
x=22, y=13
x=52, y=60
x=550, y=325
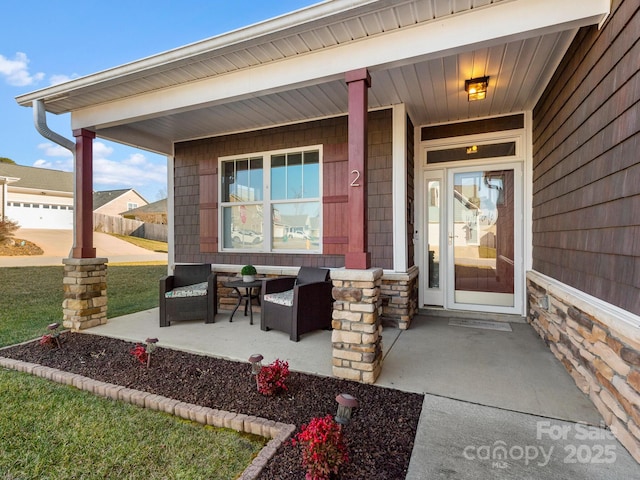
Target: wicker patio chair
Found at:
x=189, y=294
x=297, y=305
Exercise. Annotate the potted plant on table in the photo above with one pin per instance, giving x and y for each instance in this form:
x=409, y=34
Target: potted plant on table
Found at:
x=248, y=273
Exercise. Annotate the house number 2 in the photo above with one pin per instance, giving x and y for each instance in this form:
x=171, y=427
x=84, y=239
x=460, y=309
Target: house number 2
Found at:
x=354, y=182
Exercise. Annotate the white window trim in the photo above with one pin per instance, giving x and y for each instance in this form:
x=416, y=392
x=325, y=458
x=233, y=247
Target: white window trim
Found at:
x=267, y=202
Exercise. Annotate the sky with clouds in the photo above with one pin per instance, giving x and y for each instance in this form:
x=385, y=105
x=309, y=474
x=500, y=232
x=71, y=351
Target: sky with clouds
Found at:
x=43, y=43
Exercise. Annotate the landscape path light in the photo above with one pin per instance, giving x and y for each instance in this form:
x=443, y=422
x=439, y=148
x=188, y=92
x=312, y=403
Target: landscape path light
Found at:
x=151, y=346
x=256, y=363
x=346, y=403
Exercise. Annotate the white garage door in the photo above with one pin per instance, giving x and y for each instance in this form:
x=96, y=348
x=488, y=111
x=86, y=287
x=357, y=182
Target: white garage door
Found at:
x=35, y=215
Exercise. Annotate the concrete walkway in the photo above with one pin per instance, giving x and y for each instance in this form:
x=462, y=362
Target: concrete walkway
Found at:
x=57, y=244
x=497, y=403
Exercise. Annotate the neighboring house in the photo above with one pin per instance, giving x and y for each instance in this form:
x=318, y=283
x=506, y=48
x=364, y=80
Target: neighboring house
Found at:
x=155, y=212
x=116, y=202
x=359, y=122
x=36, y=197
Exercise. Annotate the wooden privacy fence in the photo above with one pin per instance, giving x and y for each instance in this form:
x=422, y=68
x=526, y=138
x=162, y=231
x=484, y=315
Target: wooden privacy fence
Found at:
x=125, y=226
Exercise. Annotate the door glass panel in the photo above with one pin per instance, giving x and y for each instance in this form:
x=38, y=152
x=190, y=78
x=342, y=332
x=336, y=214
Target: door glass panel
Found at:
x=433, y=234
x=483, y=237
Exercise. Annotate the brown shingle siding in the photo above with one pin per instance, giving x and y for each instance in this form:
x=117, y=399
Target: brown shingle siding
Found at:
x=587, y=86
x=586, y=135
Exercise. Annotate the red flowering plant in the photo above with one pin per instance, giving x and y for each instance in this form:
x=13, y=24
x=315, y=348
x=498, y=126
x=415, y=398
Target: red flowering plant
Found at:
x=143, y=353
x=323, y=448
x=272, y=378
x=51, y=339
x=140, y=353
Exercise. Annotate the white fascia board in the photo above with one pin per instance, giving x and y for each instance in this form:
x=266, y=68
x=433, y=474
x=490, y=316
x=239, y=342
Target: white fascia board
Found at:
x=399, y=180
x=171, y=209
x=502, y=22
x=6, y=180
x=38, y=192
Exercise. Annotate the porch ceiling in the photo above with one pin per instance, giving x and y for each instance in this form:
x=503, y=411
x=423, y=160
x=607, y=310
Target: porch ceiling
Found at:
x=291, y=68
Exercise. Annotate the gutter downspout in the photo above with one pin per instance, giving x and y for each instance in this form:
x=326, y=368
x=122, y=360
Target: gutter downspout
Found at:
x=40, y=121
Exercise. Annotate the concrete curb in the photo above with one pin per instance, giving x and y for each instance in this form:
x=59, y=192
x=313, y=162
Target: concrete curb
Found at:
x=277, y=432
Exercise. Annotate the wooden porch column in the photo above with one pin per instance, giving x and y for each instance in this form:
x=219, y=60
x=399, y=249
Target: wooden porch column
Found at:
x=83, y=210
x=357, y=256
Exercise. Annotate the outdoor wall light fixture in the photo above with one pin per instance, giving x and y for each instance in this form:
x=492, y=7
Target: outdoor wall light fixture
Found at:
x=256, y=363
x=476, y=88
x=346, y=403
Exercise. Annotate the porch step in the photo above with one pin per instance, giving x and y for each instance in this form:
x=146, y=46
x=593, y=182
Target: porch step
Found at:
x=495, y=317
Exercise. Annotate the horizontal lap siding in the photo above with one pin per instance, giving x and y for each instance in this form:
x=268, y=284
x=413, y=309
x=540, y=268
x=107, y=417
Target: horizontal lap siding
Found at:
x=586, y=177
x=196, y=194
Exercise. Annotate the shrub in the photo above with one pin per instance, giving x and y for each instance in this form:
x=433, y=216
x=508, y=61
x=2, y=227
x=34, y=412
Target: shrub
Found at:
x=272, y=378
x=140, y=353
x=7, y=229
x=323, y=448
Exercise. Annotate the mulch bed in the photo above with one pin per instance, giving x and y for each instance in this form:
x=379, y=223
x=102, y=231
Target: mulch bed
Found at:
x=379, y=438
x=19, y=247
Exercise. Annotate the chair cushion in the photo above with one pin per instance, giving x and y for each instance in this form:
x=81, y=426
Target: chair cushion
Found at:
x=281, y=298
x=195, y=290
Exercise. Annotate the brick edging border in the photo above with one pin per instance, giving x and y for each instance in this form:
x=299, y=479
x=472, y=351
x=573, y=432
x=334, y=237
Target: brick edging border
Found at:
x=277, y=432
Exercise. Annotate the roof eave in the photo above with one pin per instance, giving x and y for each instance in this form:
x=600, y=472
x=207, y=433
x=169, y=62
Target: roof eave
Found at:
x=235, y=37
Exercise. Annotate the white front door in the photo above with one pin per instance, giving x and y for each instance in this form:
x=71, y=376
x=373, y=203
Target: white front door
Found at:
x=484, y=235
x=473, y=230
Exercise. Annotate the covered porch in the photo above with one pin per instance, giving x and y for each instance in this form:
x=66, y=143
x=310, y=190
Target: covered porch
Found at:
x=350, y=85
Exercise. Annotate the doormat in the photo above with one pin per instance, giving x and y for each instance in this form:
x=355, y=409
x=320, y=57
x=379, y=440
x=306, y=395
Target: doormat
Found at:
x=483, y=324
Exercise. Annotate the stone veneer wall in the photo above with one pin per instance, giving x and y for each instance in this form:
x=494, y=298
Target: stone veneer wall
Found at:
x=599, y=347
x=357, y=329
x=85, y=292
x=399, y=297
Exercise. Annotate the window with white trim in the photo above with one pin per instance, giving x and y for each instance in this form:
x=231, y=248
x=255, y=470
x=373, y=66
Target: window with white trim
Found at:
x=270, y=202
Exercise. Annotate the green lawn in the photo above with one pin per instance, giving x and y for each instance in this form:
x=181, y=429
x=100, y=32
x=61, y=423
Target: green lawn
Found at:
x=31, y=297
x=152, y=245
x=51, y=431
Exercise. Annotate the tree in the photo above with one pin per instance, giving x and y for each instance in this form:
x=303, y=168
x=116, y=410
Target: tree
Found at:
x=7, y=160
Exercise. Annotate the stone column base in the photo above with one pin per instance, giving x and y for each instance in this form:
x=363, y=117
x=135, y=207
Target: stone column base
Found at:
x=357, y=329
x=85, y=293
x=399, y=294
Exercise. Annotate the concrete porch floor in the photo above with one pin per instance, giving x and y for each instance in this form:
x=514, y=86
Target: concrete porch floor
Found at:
x=509, y=370
x=481, y=387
